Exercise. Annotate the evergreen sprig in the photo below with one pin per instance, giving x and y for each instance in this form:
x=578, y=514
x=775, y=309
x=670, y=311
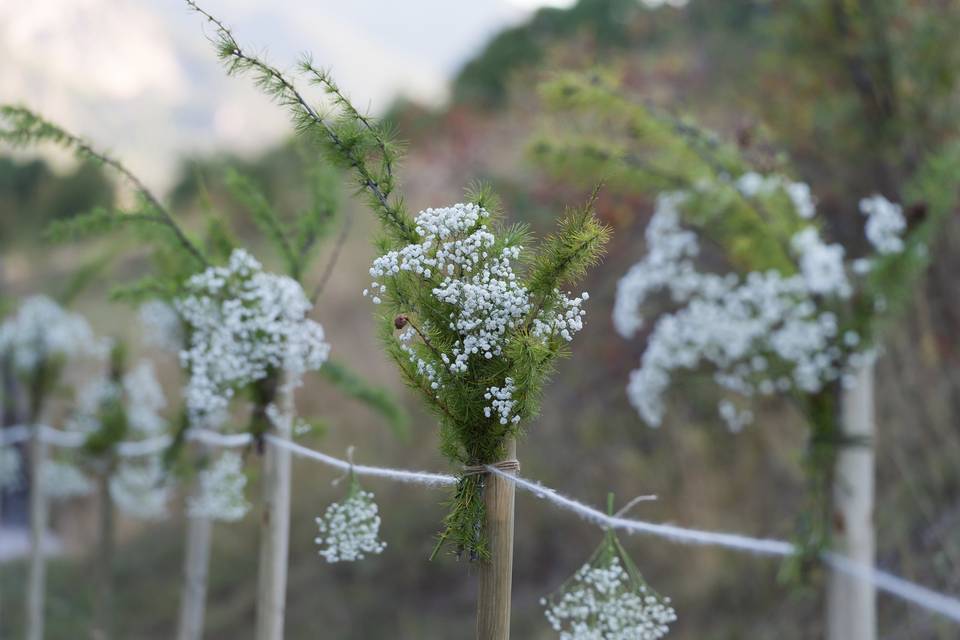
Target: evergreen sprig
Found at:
x=374, y=397
x=25, y=128
x=470, y=433
x=348, y=137
x=566, y=255
x=638, y=148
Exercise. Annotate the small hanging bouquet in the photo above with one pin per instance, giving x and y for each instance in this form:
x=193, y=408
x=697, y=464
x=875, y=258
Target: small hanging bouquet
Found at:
x=349, y=530
x=608, y=599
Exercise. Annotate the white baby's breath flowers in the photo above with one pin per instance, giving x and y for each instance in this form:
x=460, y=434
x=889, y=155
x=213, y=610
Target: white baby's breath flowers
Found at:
x=752, y=184
x=484, y=300
x=821, y=264
x=501, y=403
x=350, y=529
x=603, y=603
x=141, y=488
x=244, y=324
x=734, y=418
x=64, y=480
x=763, y=333
x=144, y=399
x=41, y=330
x=456, y=252
x=162, y=327
x=220, y=491
x=11, y=468
x=139, y=393
x=885, y=224
x=565, y=321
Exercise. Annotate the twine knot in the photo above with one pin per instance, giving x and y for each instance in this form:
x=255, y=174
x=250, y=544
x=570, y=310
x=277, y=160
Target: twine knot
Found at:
x=507, y=466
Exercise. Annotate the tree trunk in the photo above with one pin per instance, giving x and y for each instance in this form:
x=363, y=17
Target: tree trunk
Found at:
x=851, y=603
x=496, y=575
x=103, y=612
x=196, y=568
x=36, y=581
x=275, y=527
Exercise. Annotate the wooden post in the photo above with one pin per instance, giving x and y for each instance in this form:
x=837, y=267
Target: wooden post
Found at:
x=496, y=575
x=196, y=567
x=275, y=527
x=193, y=597
x=103, y=571
x=851, y=603
x=36, y=580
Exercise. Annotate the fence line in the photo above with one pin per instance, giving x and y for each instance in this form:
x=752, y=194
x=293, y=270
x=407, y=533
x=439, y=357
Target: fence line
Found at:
x=921, y=596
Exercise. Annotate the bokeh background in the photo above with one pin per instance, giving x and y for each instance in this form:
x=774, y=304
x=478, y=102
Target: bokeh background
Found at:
x=459, y=81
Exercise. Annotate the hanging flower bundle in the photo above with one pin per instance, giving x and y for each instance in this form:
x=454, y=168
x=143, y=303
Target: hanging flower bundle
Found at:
x=350, y=530
x=608, y=599
x=11, y=468
x=220, y=490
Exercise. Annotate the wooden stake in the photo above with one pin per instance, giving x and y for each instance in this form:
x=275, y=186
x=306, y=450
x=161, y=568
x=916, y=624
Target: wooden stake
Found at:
x=275, y=528
x=196, y=567
x=103, y=571
x=851, y=603
x=36, y=580
x=496, y=575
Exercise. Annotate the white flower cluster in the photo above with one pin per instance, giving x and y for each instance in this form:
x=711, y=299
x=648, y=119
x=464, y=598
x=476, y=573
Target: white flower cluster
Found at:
x=350, y=529
x=821, y=264
x=42, y=330
x=669, y=262
x=91, y=398
x=11, y=468
x=144, y=399
x=885, y=224
x=501, y=402
x=602, y=604
x=485, y=297
x=62, y=480
x=457, y=257
x=424, y=368
x=141, y=489
x=752, y=184
x=764, y=333
x=162, y=327
x=734, y=418
x=565, y=321
x=220, y=491
x=243, y=323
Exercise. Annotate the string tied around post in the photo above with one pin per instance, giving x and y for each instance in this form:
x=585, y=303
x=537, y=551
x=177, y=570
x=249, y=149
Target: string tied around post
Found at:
x=507, y=466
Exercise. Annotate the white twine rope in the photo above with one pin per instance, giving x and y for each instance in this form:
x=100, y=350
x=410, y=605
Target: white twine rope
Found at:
x=928, y=599
x=882, y=580
x=416, y=477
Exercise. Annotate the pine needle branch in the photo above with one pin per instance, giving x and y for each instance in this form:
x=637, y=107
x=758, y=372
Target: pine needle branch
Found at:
x=276, y=84
x=332, y=260
x=28, y=128
x=566, y=255
x=264, y=217
x=377, y=398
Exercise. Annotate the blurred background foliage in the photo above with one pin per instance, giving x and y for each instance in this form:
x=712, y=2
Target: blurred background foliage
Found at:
x=854, y=94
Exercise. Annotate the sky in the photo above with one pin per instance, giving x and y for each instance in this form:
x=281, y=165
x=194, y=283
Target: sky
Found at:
x=140, y=78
